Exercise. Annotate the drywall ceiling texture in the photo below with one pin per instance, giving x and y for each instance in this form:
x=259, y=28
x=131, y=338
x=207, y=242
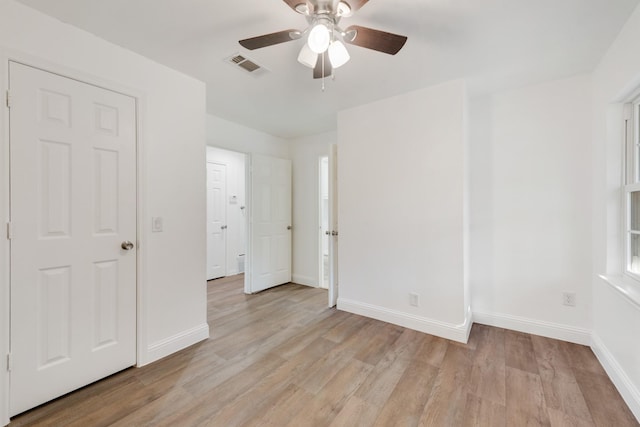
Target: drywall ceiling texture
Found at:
x=495, y=44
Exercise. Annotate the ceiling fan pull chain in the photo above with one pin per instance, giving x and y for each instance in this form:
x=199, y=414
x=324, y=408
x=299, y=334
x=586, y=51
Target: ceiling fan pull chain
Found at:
x=323, y=71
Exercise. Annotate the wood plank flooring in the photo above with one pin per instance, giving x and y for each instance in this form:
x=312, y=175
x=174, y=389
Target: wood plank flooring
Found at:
x=281, y=358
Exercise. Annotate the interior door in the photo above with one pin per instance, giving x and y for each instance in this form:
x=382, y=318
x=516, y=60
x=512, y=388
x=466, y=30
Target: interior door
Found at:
x=270, y=222
x=73, y=216
x=324, y=228
x=216, y=220
x=333, y=221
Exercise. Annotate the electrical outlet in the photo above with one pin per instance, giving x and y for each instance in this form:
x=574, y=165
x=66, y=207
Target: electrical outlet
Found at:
x=569, y=299
x=414, y=299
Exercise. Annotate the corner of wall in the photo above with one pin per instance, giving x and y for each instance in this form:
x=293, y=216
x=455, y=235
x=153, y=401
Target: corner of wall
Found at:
x=170, y=345
x=535, y=327
x=620, y=379
x=304, y=280
x=459, y=333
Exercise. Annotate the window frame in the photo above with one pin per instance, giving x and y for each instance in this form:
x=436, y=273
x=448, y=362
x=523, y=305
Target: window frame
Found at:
x=631, y=180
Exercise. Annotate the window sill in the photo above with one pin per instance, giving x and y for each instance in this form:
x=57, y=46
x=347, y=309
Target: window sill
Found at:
x=627, y=287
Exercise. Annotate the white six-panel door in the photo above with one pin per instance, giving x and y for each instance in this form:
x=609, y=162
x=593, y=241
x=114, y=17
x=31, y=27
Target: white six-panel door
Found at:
x=216, y=220
x=270, y=222
x=73, y=204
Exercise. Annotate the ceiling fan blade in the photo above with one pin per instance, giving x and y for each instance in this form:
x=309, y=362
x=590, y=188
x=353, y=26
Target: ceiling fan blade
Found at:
x=270, y=39
x=328, y=69
x=355, y=4
x=375, y=39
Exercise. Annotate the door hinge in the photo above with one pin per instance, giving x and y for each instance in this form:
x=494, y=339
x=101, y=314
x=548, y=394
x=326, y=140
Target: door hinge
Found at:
x=9, y=231
x=8, y=98
x=9, y=362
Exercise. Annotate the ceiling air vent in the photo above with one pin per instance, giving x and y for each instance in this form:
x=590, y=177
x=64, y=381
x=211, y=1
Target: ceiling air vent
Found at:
x=246, y=64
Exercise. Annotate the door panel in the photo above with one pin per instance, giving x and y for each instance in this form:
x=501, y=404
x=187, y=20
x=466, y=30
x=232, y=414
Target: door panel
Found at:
x=271, y=222
x=216, y=220
x=105, y=300
x=333, y=224
x=54, y=326
x=73, y=202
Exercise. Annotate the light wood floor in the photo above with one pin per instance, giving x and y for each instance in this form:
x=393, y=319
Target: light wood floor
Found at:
x=280, y=358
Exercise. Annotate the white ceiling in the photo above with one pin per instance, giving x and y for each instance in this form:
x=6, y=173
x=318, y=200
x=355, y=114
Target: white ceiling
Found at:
x=495, y=44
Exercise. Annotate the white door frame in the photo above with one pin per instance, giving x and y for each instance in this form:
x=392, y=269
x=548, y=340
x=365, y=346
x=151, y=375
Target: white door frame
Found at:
x=248, y=195
x=7, y=56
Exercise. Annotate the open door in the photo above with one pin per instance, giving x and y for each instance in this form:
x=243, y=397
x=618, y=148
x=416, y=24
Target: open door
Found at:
x=333, y=225
x=324, y=230
x=270, y=238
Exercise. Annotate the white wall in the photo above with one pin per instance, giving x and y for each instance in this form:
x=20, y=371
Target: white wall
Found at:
x=530, y=161
x=222, y=133
x=616, y=322
x=305, y=155
x=172, y=116
x=401, y=171
x=236, y=217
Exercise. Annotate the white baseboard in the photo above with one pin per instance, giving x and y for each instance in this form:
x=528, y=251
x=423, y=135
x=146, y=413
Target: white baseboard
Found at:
x=619, y=377
x=304, y=280
x=535, y=327
x=450, y=331
x=167, y=346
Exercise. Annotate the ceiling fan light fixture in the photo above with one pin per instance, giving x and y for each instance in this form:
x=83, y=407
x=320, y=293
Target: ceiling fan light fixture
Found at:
x=324, y=39
x=350, y=36
x=338, y=54
x=319, y=38
x=302, y=9
x=307, y=57
x=343, y=9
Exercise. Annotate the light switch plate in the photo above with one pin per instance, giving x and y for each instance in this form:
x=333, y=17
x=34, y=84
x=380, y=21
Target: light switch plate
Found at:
x=156, y=224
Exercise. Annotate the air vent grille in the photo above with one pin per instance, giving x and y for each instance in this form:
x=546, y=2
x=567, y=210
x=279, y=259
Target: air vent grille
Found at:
x=246, y=64
x=238, y=59
x=249, y=66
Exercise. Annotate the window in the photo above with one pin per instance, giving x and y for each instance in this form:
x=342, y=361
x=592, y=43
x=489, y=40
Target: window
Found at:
x=632, y=189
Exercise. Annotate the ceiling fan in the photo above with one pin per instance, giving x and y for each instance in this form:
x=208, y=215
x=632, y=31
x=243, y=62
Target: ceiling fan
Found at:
x=324, y=49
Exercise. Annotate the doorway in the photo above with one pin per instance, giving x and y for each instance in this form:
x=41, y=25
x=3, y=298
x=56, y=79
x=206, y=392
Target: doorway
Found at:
x=226, y=212
x=250, y=215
